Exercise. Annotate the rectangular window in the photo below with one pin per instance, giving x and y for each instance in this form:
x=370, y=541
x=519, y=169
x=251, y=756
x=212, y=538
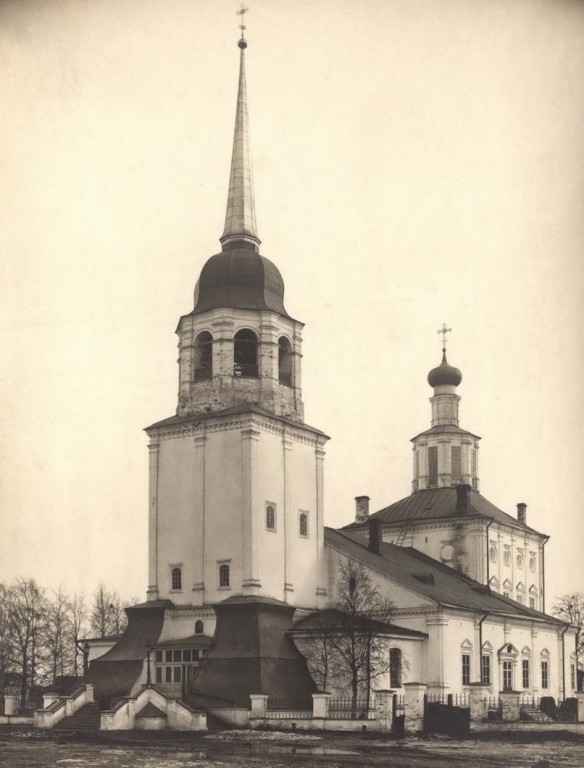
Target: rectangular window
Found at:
x=177, y=656
x=520, y=599
x=456, y=463
x=303, y=524
x=507, y=675
x=158, y=656
x=168, y=656
x=573, y=676
x=433, y=465
x=532, y=602
x=168, y=674
x=544, y=675
x=466, y=669
x=486, y=669
x=158, y=674
x=395, y=667
x=177, y=674
x=525, y=672
x=187, y=655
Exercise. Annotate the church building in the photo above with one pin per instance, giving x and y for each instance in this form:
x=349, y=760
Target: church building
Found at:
x=239, y=560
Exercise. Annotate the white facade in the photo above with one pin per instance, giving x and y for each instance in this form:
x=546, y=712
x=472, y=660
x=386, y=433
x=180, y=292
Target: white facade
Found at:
x=238, y=495
x=536, y=655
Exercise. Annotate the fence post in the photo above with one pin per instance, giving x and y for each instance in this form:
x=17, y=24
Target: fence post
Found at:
x=320, y=704
x=414, y=707
x=259, y=702
x=10, y=707
x=580, y=697
x=510, y=707
x=384, y=700
x=476, y=701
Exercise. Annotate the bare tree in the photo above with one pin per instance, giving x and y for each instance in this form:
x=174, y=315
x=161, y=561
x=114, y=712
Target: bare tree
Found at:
x=26, y=615
x=107, y=613
x=570, y=608
x=79, y=627
x=360, y=643
x=59, y=645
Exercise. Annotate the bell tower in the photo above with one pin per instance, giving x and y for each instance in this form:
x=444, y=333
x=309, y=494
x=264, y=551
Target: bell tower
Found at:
x=445, y=455
x=236, y=476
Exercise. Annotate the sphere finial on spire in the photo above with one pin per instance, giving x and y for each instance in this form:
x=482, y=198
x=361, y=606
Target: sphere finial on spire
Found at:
x=242, y=42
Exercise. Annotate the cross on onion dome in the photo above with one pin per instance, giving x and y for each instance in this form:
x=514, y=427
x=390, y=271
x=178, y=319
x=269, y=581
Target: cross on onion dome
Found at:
x=444, y=330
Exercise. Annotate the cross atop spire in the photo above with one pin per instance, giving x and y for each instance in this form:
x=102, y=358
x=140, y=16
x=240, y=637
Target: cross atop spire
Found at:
x=240, y=220
x=243, y=10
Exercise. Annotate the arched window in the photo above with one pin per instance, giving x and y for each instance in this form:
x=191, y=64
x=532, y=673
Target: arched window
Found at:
x=245, y=354
x=303, y=524
x=285, y=360
x=203, y=356
x=176, y=579
x=271, y=517
x=224, y=575
x=199, y=627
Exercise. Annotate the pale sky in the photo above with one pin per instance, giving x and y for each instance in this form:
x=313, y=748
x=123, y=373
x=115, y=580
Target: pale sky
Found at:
x=416, y=162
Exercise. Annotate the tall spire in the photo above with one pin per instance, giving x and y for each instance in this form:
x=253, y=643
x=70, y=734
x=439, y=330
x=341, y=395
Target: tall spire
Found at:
x=240, y=220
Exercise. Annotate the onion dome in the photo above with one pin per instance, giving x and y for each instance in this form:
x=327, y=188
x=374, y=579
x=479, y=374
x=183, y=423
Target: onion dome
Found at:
x=444, y=374
x=239, y=277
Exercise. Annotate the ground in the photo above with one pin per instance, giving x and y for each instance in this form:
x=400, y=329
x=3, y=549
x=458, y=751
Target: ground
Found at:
x=25, y=748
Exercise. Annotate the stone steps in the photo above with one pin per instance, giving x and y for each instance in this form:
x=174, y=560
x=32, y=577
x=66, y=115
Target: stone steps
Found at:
x=86, y=719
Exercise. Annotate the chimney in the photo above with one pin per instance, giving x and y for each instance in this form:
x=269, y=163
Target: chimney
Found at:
x=462, y=499
x=522, y=513
x=361, y=508
x=375, y=536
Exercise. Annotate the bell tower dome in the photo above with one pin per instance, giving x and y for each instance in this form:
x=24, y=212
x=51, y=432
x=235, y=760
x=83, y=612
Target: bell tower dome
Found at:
x=239, y=345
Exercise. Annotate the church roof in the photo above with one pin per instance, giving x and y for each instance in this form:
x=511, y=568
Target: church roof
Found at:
x=193, y=641
x=422, y=574
x=440, y=503
x=234, y=410
x=240, y=278
x=331, y=618
x=442, y=429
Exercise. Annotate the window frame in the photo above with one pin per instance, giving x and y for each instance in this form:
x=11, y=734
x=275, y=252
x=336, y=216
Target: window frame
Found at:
x=303, y=517
x=222, y=565
x=395, y=667
x=175, y=568
x=466, y=667
x=271, y=509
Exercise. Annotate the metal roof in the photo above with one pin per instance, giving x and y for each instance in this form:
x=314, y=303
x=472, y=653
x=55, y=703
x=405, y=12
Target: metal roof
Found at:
x=440, y=503
x=429, y=578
